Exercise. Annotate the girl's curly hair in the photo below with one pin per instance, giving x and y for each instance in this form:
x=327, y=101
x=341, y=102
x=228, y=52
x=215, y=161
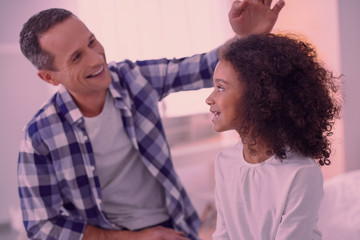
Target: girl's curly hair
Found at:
x=289, y=101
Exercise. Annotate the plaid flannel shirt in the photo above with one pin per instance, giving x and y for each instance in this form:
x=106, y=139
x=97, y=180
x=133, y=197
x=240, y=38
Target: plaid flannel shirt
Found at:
x=58, y=185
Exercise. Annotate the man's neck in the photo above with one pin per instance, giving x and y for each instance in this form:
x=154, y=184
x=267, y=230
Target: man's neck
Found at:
x=91, y=106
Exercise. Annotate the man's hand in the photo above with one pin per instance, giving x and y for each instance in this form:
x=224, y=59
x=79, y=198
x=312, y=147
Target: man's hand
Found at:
x=160, y=233
x=154, y=233
x=254, y=16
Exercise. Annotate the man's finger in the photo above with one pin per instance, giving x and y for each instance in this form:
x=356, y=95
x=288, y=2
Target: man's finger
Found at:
x=237, y=8
x=278, y=6
x=268, y=3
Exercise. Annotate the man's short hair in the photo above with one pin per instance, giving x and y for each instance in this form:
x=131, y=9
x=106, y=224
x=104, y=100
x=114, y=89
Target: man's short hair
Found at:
x=31, y=32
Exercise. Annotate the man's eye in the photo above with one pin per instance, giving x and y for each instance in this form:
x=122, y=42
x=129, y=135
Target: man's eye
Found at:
x=76, y=57
x=92, y=42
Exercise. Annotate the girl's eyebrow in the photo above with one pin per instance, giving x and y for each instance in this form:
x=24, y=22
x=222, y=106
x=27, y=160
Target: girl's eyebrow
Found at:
x=217, y=80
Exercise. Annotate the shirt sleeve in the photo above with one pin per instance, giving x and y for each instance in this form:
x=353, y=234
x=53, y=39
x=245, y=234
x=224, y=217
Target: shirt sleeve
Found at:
x=301, y=209
x=190, y=73
x=220, y=232
x=40, y=197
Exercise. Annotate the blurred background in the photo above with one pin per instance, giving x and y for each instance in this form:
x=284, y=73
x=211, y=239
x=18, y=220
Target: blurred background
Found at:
x=144, y=29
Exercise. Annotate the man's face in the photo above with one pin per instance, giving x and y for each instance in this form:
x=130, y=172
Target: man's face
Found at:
x=79, y=59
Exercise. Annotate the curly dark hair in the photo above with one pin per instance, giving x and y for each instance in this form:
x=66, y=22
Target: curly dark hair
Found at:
x=290, y=98
x=32, y=30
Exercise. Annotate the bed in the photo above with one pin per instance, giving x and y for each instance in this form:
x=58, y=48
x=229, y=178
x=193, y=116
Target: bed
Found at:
x=339, y=215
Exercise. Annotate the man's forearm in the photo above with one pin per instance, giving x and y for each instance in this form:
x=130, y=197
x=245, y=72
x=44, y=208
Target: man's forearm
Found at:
x=95, y=233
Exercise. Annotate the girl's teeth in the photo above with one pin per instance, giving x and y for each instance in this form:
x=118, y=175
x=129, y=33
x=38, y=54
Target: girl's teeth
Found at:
x=215, y=114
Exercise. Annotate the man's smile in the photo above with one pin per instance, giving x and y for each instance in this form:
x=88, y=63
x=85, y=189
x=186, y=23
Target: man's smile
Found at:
x=97, y=73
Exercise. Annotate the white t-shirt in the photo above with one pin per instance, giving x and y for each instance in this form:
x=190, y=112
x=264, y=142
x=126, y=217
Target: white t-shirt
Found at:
x=131, y=196
x=275, y=199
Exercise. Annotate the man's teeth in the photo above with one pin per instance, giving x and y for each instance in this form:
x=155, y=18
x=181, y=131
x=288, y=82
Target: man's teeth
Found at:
x=97, y=72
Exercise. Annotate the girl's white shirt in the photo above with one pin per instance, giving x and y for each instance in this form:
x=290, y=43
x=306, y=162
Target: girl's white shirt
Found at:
x=275, y=199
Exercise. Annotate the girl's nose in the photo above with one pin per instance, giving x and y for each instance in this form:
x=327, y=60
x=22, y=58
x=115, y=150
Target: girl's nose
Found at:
x=209, y=100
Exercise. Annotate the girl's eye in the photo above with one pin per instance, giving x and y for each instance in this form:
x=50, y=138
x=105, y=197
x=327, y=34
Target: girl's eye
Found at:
x=219, y=88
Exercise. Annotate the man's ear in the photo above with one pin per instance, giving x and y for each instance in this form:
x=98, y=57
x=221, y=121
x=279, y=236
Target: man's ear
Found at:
x=48, y=77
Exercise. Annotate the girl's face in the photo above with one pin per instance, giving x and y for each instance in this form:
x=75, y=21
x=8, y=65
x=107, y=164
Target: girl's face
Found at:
x=225, y=98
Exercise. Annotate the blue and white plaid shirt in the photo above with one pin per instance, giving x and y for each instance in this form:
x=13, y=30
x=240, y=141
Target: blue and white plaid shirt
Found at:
x=58, y=185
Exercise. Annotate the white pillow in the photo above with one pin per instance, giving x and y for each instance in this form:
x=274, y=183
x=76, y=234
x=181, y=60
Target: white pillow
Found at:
x=339, y=215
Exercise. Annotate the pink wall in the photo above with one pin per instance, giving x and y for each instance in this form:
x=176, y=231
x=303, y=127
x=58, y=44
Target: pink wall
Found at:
x=317, y=21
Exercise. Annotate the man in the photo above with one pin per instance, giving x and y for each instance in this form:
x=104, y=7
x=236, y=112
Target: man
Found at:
x=94, y=162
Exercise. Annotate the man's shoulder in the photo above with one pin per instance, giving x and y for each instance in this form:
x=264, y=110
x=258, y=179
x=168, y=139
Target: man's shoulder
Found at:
x=45, y=116
x=122, y=66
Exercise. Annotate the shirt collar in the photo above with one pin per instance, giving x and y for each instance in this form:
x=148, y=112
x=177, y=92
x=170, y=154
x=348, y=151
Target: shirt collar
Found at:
x=67, y=106
x=118, y=91
x=72, y=113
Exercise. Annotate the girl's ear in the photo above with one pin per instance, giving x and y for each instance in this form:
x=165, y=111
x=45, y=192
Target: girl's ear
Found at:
x=48, y=77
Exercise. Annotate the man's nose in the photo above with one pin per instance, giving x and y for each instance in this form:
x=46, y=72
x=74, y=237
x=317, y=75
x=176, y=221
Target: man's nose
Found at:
x=95, y=58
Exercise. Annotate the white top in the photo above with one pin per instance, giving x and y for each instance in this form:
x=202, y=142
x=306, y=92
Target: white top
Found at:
x=132, y=197
x=275, y=199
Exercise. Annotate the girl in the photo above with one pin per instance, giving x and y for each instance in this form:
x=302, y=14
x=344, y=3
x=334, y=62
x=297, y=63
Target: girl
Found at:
x=274, y=92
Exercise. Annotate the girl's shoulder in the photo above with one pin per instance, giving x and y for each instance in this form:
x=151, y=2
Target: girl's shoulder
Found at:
x=233, y=153
x=297, y=166
x=297, y=160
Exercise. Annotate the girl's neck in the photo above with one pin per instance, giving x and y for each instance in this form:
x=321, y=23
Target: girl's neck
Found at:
x=256, y=153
